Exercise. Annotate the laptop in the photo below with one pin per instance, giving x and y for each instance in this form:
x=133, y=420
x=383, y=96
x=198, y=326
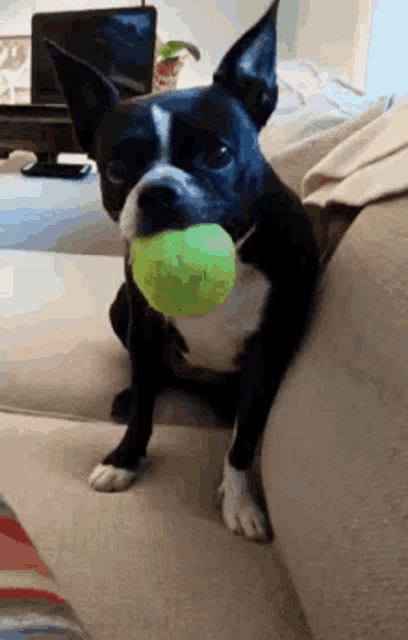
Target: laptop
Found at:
x=120, y=42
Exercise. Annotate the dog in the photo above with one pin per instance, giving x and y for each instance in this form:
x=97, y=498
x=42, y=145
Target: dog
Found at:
x=168, y=162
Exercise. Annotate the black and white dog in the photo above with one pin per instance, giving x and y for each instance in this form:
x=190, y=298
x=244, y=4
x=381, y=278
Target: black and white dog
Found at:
x=179, y=159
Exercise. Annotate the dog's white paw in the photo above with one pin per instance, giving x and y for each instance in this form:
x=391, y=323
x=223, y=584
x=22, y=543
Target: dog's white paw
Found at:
x=106, y=477
x=240, y=512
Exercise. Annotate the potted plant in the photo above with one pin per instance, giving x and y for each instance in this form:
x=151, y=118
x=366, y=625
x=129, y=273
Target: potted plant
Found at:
x=169, y=65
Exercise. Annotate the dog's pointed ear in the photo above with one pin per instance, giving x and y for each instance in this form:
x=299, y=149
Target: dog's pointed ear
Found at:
x=249, y=68
x=88, y=92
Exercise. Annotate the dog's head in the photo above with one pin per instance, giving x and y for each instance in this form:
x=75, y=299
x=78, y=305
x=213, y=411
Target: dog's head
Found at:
x=169, y=161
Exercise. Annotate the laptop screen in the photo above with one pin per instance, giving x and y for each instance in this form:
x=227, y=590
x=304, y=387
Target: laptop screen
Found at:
x=118, y=42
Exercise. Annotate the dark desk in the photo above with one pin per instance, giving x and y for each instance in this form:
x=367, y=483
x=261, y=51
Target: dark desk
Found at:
x=45, y=130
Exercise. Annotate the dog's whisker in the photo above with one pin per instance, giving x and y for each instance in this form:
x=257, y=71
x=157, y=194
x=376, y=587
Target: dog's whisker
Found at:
x=245, y=237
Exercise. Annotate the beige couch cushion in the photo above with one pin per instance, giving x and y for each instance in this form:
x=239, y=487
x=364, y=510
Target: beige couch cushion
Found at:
x=59, y=355
x=335, y=455
x=153, y=562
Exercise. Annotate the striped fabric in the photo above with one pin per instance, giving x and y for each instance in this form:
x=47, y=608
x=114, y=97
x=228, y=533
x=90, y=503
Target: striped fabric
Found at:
x=31, y=605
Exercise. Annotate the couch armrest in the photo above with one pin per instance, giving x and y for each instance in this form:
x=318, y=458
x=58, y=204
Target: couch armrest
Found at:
x=334, y=459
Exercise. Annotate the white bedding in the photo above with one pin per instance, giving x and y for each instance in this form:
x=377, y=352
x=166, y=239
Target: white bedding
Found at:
x=312, y=98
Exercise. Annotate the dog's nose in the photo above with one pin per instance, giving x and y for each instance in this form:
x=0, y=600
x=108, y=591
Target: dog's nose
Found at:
x=156, y=197
x=159, y=209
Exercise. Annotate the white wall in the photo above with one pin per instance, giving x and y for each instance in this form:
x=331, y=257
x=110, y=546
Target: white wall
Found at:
x=327, y=32
x=15, y=17
x=388, y=52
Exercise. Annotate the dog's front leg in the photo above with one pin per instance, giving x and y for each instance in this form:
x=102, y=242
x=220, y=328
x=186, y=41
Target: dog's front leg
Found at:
x=127, y=462
x=259, y=383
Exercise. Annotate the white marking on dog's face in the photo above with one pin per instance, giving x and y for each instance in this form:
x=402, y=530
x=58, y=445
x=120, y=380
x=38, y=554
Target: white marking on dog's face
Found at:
x=128, y=217
x=161, y=173
x=162, y=120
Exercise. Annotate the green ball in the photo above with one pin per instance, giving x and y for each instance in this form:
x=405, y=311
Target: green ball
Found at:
x=185, y=273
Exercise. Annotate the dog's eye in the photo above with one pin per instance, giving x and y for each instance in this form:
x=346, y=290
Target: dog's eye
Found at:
x=219, y=157
x=116, y=172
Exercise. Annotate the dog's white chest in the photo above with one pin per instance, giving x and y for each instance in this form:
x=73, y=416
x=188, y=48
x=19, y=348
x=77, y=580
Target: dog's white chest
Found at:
x=216, y=338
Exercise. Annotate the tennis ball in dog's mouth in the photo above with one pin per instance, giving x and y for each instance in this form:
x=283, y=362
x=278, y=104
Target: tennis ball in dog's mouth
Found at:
x=185, y=273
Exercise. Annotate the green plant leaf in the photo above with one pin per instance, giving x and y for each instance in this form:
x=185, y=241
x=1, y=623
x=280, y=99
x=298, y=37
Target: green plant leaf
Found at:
x=172, y=47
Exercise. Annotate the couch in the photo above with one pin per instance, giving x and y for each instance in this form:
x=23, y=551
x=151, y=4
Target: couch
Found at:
x=156, y=561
